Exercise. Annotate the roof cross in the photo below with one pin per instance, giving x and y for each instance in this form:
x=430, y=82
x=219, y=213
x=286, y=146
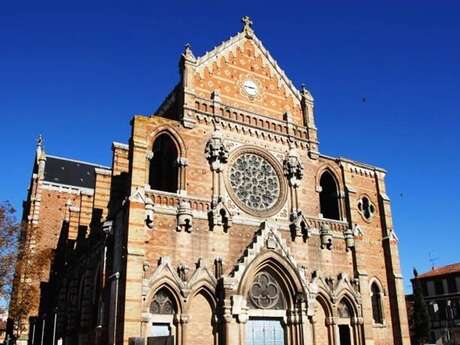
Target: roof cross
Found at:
x=247, y=22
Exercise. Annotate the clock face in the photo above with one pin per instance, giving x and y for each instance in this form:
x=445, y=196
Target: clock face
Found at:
x=250, y=87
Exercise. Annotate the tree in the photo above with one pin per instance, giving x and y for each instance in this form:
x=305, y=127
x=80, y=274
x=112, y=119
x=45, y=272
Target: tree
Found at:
x=27, y=270
x=9, y=235
x=421, y=317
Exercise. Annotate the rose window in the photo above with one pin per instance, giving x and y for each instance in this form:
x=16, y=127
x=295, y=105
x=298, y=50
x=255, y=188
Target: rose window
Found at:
x=254, y=181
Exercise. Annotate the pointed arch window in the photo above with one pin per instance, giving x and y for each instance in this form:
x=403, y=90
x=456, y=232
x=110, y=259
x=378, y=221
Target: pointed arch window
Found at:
x=163, y=310
x=164, y=169
x=376, y=299
x=328, y=197
x=267, y=303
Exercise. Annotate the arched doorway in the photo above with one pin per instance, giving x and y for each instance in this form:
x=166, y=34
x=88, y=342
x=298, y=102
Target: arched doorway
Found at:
x=162, y=326
x=322, y=332
x=267, y=308
x=201, y=328
x=345, y=314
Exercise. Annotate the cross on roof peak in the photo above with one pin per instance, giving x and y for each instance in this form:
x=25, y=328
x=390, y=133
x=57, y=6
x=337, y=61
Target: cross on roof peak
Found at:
x=247, y=23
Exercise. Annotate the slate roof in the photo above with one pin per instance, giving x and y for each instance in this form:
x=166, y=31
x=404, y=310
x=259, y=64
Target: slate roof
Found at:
x=441, y=271
x=70, y=172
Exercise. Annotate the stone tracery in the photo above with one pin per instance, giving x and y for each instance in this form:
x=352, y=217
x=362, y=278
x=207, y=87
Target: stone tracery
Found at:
x=254, y=181
x=265, y=292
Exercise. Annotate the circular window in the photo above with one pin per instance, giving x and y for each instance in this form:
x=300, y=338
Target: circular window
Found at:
x=254, y=182
x=366, y=208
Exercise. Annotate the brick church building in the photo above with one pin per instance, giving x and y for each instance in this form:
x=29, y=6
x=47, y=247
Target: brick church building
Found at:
x=220, y=222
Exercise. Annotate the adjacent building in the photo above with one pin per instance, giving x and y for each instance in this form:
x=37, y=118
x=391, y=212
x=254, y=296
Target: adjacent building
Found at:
x=441, y=292
x=218, y=222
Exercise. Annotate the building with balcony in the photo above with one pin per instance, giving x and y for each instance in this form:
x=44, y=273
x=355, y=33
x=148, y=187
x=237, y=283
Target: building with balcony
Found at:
x=441, y=292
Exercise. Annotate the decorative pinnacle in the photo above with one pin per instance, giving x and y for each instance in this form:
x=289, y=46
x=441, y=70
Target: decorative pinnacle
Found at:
x=247, y=23
x=188, y=52
x=40, y=141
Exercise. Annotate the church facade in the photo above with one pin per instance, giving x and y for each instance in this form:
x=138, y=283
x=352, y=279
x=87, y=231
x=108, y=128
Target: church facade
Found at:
x=220, y=222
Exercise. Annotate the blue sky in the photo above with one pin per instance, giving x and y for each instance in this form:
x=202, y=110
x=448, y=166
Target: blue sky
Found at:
x=78, y=71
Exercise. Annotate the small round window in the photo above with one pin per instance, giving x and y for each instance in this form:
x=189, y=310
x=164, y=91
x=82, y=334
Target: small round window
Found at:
x=366, y=208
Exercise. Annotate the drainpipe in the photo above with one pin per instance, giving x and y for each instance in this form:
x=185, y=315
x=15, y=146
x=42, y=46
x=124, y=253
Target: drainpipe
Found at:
x=117, y=277
x=34, y=326
x=43, y=331
x=54, y=327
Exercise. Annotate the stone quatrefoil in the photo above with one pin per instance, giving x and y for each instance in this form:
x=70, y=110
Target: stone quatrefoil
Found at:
x=264, y=292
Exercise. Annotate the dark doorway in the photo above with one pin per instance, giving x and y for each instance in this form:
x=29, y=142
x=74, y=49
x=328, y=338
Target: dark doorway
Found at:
x=344, y=331
x=167, y=340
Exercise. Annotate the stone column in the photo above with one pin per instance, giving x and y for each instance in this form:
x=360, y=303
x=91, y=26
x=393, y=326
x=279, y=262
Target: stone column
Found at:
x=182, y=330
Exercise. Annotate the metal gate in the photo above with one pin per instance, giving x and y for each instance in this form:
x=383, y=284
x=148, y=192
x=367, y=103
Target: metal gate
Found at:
x=264, y=332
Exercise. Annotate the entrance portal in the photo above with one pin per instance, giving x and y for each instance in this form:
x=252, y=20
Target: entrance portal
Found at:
x=344, y=332
x=264, y=332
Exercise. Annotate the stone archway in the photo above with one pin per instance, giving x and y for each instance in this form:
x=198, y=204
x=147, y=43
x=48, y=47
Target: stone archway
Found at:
x=274, y=302
x=201, y=325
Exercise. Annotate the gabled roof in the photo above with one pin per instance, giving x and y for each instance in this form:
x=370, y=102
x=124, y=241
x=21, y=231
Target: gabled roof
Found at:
x=246, y=33
x=70, y=172
x=441, y=271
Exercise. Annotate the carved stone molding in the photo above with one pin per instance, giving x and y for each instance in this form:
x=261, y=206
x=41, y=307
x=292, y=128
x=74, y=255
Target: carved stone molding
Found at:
x=220, y=217
x=184, y=217
x=216, y=151
x=293, y=168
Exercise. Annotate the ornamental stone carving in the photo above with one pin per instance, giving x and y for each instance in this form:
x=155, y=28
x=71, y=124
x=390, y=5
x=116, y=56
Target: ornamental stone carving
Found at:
x=216, y=151
x=293, y=168
x=254, y=181
x=184, y=217
x=220, y=216
x=149, y=212
x=326, y=237
x=162, y=303
x=349, y=238
x=265, y=292
x=299, y=224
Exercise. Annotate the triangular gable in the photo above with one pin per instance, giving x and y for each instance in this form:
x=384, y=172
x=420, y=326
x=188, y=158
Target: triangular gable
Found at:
x=226, y=70
x=269, y=238
x=229, y=46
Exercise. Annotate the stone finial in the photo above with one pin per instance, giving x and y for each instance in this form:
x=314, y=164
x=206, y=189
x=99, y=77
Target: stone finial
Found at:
x=40, y=156
x=188, y=54
x=306, y=95
x=40, y=141
x=247, y=25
